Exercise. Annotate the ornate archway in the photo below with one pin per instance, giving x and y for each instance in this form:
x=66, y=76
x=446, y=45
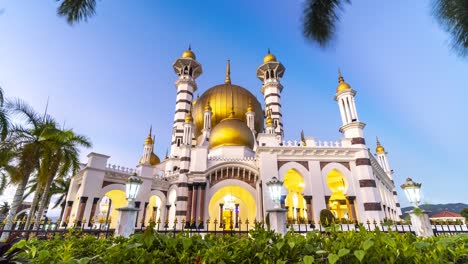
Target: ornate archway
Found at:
x=338, y=203
x=294, y=184
x=229, y=205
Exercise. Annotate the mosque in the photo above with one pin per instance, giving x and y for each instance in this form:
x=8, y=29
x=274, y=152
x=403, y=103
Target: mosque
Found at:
x=225, y=147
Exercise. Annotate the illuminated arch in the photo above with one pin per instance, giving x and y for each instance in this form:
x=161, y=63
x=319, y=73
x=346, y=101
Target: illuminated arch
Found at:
x=338, y=203
x=294, y=184
x=229, y=195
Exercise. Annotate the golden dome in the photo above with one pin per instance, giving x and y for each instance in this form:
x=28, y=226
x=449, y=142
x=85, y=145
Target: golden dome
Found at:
x=220, y=100
x=154, y=159
x=189, y=54
x=269, y=57
x=379, y=149
x=231, y=131
x=342, y=85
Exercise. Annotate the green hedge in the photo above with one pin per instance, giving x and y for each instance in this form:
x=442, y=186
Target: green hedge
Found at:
x=260, y=246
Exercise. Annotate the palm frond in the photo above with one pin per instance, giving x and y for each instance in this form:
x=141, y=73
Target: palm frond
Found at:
x=452, y=15
x=320, y=19
x=77, y=10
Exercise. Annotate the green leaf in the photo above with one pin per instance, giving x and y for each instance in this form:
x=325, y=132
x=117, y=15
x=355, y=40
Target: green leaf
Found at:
x=333, y=258
x=308, y=259
x=359, y=254
x=291, y=244
x=187, y=243
x=368, y=244
x=343, y=252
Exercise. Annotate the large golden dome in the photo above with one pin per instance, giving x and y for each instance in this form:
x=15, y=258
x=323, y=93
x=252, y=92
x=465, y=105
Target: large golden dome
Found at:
x=154, y=159
x=231, y=132
x=219, y=99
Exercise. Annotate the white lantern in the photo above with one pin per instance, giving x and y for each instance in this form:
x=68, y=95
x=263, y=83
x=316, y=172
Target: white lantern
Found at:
x=412, y=191
x=275, y=186
x=132, y=187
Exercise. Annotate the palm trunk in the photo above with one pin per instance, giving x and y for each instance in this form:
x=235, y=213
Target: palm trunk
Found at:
x=44, y=201
x=34, y=204
x=17, y=201
x=63, y=209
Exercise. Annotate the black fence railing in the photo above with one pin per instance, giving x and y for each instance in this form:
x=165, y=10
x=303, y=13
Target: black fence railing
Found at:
x=47, y=230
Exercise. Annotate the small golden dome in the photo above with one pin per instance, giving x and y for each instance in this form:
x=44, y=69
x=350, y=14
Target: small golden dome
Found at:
x=189, y=54
x=269, y=57
x=231, y=132
x=149, y=140
x=154, y=160
x=269, y=120
x=188, y=117
x=208, y=106
x=342, y=85
x=379, y=149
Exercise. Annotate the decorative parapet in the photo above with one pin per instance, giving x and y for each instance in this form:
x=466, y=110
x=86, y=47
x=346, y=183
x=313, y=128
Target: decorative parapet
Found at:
x=160, y=184
x=118, y=168
x=220, y=158
x=317, y=144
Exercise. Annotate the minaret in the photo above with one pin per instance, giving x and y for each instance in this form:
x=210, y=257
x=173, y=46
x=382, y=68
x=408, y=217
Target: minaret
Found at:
x=250, y=117
x=352, y=127
x=270, y=73
x=207, y=117
x=382, y=158
x=187, y=70
x=148, y=148
x=188, y=129
x=270, y=129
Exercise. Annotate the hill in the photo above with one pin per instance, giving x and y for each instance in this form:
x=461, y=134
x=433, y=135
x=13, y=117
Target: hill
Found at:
x=437, y=208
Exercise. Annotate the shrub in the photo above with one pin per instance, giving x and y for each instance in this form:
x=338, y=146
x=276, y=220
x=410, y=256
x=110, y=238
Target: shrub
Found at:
x=260, y=246
x=326, y=217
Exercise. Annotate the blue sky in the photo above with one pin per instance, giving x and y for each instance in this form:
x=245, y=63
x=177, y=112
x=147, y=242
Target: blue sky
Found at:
x=111, y=78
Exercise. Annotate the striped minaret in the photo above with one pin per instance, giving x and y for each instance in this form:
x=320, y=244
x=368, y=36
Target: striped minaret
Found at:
x=187, y=70
x=270, y=73
x=382, y=158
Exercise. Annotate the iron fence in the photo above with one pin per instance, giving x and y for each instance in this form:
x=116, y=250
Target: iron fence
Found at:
x=48, y=230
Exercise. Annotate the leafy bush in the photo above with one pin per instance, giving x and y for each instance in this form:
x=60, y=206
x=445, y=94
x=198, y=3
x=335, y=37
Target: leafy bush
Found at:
x=327, y=217
x=260, y=246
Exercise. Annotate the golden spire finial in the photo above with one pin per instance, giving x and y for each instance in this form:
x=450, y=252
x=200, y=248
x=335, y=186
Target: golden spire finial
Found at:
x=228, y=72
x=340, y=77
x=188, y=117
x=149, y=140
x=250, y=107
x=208, y=106
x=269, y=120
x=379, y=149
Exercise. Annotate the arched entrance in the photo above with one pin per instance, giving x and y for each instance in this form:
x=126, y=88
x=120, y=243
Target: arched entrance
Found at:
x=231, y=204
x=154, y=209
x=108, y=206
x=338, y=203
x=294, y=184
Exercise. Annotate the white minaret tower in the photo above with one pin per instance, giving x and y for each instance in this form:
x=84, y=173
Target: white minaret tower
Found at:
x=369, y=198
x=187, y=70
x=382, y=158
x=270, y=73
x=250, y=117
x=352, y=127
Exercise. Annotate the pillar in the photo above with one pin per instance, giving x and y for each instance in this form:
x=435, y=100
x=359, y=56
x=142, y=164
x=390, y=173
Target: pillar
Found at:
x=202, y=204
x=81, y=208
x=221, y=205
x=308, y=199
x=237, y=215
x=194, y=203
x=144, y=215
x=189, y=206
x=137, y=206
x=66, y=214
x=93, y=210
x=168, y=207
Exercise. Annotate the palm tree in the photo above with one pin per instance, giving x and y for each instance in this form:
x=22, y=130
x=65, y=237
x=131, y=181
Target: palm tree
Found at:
x=322, y=16
x=60, y=187
x=4, y=123
x=4, y=208
x=31, y=140
x=62, y=158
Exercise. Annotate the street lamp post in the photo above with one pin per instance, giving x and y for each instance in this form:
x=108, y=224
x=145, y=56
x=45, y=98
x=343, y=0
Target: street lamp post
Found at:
x=127, y=215
x=419, y=218
x=276, y=215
